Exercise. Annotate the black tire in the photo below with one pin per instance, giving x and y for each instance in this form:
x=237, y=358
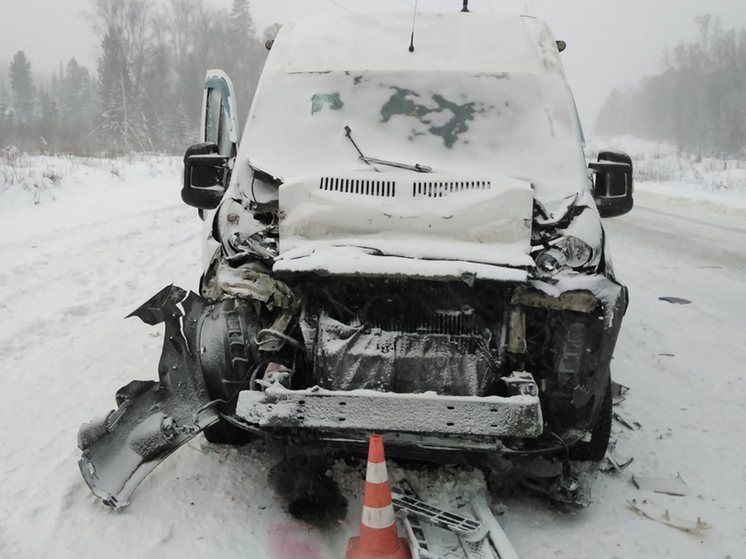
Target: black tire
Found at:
x=595, y=449
x=223, y=432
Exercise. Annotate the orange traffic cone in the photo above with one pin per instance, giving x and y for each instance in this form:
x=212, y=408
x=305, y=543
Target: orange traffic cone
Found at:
x=378, y=535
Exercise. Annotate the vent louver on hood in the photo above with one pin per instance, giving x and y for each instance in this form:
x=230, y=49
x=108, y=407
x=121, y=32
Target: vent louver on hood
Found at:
x=387, y=189
x=438, y=189
x=368, y=187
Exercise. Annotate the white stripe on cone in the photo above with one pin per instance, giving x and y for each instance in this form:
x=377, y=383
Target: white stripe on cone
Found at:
x=376, y=473
x=379, y=518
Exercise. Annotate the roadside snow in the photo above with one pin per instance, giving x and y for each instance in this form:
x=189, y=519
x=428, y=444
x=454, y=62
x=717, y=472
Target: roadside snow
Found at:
x=661, y=169
x=41, y=193
x=97, y=246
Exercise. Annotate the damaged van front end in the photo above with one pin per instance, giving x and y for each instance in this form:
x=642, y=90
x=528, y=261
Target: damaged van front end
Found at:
x=406, y=246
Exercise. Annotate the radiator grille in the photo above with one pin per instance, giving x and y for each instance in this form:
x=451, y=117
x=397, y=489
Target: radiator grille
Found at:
x=386, y=189
x=453, y=323
x=433, y=189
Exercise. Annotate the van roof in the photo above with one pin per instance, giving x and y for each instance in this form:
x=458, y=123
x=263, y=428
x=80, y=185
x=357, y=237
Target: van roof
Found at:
x=443, y=42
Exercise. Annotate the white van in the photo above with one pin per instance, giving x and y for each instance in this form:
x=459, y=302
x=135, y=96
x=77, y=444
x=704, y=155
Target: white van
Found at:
x=406, y=241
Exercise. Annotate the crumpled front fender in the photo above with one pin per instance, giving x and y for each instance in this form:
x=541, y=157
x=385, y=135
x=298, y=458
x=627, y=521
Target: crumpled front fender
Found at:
x=152, y=419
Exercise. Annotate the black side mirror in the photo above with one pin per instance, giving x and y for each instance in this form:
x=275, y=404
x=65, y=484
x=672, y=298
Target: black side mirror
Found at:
x=206, y=176
x=613, y=184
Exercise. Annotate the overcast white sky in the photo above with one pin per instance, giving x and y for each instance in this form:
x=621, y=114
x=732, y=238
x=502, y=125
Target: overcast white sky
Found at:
x=612, y=42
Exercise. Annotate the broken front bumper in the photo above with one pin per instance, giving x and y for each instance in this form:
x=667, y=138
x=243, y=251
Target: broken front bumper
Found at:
x=152, y=419
x=365, y=411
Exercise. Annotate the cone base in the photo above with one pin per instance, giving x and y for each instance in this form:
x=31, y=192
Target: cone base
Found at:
x=355, y=551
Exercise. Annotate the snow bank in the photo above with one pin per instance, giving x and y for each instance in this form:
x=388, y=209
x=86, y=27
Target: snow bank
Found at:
x=39, y=179
x=660, y=168
x=95, y=189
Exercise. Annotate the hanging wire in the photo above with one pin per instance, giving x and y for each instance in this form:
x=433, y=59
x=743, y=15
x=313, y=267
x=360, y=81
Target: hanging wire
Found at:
x=490, y=4
x=340, y=6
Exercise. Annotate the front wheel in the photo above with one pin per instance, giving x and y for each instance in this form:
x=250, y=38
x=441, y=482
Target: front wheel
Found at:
x=595, y=449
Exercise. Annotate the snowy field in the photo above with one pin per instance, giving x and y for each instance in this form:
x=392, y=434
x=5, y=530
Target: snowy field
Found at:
x=91, y=241
x=691, y=180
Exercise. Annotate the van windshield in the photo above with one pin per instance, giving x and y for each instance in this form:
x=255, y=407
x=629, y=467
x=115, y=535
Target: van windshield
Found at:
x=519, y=125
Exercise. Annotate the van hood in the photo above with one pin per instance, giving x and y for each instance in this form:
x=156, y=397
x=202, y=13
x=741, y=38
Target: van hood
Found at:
x=409, y=224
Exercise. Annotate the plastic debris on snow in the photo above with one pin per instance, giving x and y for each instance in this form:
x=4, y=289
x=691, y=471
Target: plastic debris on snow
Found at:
x=665, y=486
x=612, y=462
x=654, y=512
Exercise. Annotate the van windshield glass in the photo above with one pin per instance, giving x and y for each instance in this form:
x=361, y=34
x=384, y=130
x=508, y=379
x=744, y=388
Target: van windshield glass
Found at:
x=519, y=125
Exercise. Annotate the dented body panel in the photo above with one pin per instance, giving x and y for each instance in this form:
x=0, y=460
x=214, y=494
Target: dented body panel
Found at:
x=152, y=419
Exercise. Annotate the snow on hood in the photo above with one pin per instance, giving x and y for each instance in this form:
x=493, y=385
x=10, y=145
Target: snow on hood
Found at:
x=411, y=215
x=484, y=95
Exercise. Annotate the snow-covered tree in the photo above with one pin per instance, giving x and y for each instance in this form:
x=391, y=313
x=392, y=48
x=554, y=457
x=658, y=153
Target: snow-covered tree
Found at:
x=22, y=89
x=181, y=131
x=77, y=106
x=115, y=93
x=48, y=125
x=696, y=101
x=247, y=52
x=6, y=121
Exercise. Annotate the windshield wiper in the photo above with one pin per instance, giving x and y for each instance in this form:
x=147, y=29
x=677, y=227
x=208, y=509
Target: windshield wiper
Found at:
x=373, y=161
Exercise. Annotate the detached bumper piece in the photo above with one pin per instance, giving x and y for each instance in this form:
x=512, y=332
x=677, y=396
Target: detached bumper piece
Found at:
x=477, y=537
x=517, y=415
x=152, y=419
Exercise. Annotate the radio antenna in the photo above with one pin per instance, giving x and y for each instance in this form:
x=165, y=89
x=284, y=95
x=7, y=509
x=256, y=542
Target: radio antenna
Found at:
x=414, y=21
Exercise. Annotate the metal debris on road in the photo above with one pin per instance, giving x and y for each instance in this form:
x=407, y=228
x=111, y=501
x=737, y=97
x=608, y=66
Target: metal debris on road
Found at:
x=628, y=422
x=478, y=537
x=618, y=392
x=675, y=300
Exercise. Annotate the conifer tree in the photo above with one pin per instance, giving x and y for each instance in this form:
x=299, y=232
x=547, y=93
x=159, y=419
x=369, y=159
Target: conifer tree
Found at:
x=6, y=132
x=22, y=87
x=114, y=93
x=74, y=100
x=49, y=122
x=246, y=53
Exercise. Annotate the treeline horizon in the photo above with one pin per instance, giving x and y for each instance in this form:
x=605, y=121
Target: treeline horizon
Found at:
x=697, y=102
x=145, y=94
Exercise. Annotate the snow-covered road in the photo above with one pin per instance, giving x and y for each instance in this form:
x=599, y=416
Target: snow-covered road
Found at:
x=71, y=270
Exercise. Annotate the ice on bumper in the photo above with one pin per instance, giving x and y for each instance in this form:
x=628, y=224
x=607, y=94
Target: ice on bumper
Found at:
x=516, y=415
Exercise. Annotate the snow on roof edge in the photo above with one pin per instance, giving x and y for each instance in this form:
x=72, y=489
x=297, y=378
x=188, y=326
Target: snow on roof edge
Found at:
x=380, y=42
